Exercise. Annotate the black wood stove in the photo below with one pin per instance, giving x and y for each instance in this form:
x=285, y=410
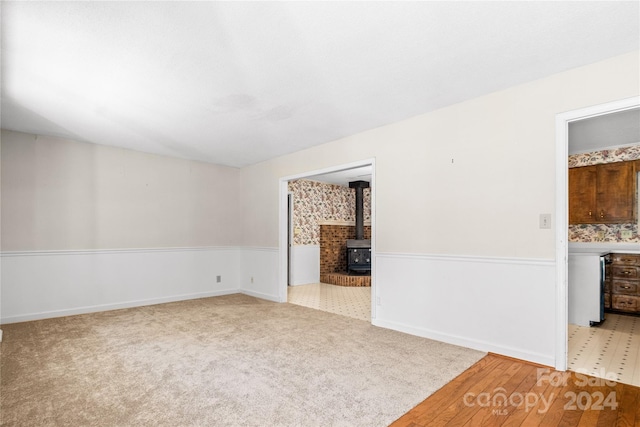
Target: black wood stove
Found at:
x=359, y=249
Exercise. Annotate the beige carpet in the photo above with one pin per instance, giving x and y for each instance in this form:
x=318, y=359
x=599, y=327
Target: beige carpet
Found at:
x=224, y=361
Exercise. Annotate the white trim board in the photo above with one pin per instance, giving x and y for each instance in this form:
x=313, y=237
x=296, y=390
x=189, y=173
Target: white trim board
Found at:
x=114, y=251
x=115, y=306
x=466, y=342
x=469, y=258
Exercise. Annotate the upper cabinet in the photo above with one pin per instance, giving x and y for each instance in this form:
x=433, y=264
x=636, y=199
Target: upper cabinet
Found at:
x=602, y=194
x=582, y=195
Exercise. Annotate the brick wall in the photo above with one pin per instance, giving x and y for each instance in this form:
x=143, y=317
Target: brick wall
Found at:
x=333, y=250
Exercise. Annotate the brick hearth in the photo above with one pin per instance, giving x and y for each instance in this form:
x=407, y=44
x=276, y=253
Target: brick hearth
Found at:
x=343, y=279
x=333, y=255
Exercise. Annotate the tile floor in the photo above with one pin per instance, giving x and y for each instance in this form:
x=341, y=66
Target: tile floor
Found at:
x=611, y=350
x=347, y=301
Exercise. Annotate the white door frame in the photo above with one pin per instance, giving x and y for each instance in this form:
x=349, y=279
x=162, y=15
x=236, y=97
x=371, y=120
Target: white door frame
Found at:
x=290, y=202
x=283, y=212
x=562, y=212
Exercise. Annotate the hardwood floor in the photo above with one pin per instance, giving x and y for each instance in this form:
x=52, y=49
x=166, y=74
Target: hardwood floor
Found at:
x=500, y=391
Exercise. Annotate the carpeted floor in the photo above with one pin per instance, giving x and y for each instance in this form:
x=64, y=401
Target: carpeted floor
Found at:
x=223, y=361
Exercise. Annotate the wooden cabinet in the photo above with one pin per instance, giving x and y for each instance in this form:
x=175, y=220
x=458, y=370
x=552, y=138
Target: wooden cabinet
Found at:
x=582, y=195
x=602, y=194
x=615, y=192
x=623, y=290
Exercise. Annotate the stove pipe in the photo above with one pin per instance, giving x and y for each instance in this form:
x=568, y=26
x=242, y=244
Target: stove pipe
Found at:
x=359, y=186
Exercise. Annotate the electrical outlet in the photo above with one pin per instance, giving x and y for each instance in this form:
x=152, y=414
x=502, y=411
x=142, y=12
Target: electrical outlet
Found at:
x=600, y=235
x=218, y=279
x=251, y=279
x=626, y=234
x=378, y=300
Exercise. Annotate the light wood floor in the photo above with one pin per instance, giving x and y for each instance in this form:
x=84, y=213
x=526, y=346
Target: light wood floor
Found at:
x=499, y=391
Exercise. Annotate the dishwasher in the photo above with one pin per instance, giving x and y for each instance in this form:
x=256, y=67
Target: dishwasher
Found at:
x=587, y=280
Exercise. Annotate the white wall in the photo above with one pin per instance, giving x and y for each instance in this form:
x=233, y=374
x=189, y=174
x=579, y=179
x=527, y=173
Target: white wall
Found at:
x=60, y=194
x=37, y=285
x=467, y=180
x=259, y=273
x=305, y=265
x=73, y=212
x=488, y=303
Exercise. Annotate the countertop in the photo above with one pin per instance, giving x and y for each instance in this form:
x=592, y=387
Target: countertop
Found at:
x=602, y=248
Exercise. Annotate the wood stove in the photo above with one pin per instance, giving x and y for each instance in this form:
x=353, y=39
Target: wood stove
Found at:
x=359, y=249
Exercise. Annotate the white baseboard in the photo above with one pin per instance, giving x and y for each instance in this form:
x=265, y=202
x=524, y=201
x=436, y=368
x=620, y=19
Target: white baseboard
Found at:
x=260, y=295
x=117, y=306
x=467, y=342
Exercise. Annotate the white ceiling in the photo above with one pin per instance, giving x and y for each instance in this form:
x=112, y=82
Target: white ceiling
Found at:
x=236, y=83
x=607, y=131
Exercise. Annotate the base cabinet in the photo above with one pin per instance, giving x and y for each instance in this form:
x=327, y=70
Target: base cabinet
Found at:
x=607, y=286
x=622, y=289
x=625, y=303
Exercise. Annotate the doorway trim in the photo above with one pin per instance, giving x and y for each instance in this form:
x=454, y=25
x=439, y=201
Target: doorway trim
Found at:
x=562, y=212
x=284, y=212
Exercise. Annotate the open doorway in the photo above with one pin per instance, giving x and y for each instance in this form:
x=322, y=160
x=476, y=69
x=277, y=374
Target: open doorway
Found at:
x=319, y=203
x=569, y=151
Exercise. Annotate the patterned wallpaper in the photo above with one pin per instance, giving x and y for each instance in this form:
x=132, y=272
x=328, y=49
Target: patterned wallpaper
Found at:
x=611, y=232
x=314, y=202
x=605, y=156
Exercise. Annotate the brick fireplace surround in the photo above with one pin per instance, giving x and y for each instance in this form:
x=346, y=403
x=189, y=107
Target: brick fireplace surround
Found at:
x=333, y=255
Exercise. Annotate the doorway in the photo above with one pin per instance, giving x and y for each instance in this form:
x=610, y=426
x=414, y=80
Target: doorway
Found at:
x=333, y=175
x=289, y=235
x=562, y=151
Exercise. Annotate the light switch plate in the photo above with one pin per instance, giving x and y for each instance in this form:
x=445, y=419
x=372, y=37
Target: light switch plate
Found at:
x=545, y=220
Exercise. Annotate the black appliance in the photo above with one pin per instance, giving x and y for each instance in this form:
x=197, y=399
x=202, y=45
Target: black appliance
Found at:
x=359, y=249
x=605, y=261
